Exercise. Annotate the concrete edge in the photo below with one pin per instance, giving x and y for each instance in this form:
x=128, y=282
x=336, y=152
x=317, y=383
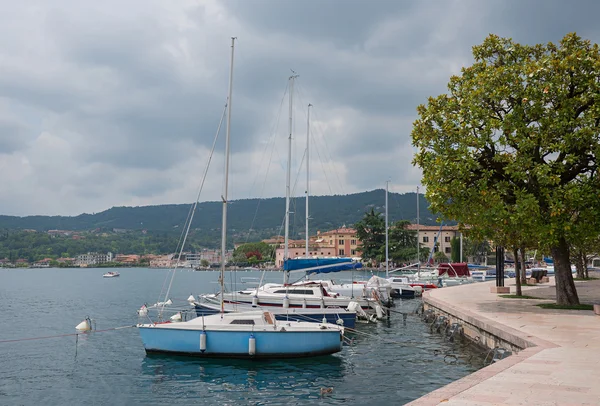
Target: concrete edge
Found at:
x=514, y=336
x=531, y=345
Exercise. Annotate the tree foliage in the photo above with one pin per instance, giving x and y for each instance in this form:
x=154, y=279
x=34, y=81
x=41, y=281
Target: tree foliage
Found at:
x=371, y=232
x=253, y=252
x=402, y=242
x=455, y=251
x=35, y=246
x=512, y=149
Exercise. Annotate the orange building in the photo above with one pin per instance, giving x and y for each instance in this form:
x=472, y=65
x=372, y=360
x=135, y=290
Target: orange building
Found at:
x=341, y=242
x=344, y=241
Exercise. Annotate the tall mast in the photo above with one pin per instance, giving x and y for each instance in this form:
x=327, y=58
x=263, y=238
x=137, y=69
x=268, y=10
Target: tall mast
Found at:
x=226, y=181
x=418, y=243
x=287, y=185
x=387, y=258
x=307, y=174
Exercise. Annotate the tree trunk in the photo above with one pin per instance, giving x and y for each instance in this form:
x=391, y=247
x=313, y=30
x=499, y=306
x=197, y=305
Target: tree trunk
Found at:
x=579, y=265
x=523, y=266
x=517, y=274
x=523, y=272
x=566, y=294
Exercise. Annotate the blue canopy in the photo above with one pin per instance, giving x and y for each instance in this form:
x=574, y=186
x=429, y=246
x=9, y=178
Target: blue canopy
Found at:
x=320, y=265
x=548, y=260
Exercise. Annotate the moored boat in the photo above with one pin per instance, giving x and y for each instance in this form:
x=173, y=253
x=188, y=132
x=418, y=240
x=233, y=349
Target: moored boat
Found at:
x=334, y=315
x=111, y=274
x=242, y=335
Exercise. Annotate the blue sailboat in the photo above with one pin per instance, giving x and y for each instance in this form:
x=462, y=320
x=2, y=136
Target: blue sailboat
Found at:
x=253, y=334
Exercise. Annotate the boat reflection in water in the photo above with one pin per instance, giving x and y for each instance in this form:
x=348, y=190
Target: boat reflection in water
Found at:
x=214, y=380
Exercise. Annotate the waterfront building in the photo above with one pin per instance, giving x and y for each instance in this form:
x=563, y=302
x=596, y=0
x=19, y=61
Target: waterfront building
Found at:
x=93, y=258
x=344, y=240
x=428, y=234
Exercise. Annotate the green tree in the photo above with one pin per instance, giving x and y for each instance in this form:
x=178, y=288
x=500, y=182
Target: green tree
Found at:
x=402, y=242
x=455, y=249
x=204, y=263
x=513, y=148
x=371, y=232
x=440, y=257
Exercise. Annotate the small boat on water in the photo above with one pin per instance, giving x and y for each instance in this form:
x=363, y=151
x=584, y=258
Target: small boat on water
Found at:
x=254, y=335
x=335, y=315
x=403, y=288
x=111, y=274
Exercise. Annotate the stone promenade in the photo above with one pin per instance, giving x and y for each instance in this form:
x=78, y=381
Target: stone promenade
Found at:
x=562, y=365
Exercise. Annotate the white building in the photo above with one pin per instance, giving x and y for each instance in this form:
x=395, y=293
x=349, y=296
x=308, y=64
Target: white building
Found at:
x=93, y=258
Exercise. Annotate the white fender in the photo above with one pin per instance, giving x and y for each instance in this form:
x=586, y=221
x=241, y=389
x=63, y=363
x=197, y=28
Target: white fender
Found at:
x=142, y=311
x=252, y=345
x=202, y=341
x=379, y=312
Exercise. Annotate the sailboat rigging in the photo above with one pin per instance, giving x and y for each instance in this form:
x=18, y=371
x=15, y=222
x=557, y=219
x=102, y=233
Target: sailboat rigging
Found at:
x=250, y=334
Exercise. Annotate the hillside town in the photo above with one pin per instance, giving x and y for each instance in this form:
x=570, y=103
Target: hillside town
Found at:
x=341, y=242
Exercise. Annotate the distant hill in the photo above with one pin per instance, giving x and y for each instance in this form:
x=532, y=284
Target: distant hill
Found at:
x=326, y=212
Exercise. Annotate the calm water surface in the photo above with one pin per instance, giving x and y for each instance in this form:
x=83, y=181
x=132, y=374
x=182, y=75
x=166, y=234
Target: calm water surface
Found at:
x=401, y=363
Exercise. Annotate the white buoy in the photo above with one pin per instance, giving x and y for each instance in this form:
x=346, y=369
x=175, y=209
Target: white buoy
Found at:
x=252, y=345
x=255, y=301
x=304, y=303
x=191, y=299
x=324, y=321
x=142, y=311
x=202, y=341
x=176, y=317
x=286, y=302
x=85, y=325
x=339, y=322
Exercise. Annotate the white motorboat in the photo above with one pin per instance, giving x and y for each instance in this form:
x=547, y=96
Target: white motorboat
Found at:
x=111, y=274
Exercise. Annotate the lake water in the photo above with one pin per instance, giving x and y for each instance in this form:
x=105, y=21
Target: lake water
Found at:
x=400, y=362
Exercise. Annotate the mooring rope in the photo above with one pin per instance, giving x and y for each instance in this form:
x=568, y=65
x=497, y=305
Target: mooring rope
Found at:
x=64, y=335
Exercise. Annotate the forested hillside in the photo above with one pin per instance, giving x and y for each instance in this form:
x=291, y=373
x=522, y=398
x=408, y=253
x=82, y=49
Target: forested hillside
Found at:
x=326, y=212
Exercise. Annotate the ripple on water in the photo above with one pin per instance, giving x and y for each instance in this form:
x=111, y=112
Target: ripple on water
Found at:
x=111, y=368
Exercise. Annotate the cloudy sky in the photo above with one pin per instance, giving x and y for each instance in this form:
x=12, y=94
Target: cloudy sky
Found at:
x=117, y=103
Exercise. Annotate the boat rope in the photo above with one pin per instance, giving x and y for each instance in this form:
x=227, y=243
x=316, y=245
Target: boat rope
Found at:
x=195, y=205
x=15, y=340
x=326, y=151
x=271, y=142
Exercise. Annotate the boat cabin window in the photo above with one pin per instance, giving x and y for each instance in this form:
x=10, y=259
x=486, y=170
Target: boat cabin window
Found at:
x=295, y=291
x=242, y=321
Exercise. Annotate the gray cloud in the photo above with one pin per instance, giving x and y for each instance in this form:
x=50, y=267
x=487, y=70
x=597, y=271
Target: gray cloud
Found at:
x=108, y=104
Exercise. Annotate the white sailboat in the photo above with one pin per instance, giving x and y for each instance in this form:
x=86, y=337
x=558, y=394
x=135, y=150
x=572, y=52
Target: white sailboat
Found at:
x=254, y=334
x=310, y=295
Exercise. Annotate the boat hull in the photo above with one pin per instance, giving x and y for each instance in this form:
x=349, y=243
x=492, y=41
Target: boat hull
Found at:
x=399, y=293
x=348, y=318
x=235, y=344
